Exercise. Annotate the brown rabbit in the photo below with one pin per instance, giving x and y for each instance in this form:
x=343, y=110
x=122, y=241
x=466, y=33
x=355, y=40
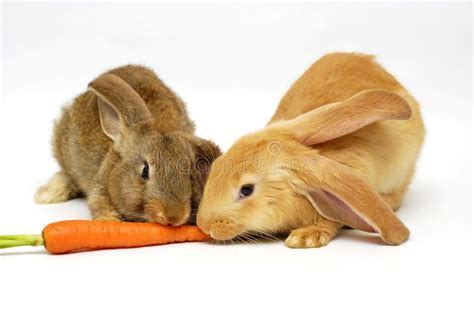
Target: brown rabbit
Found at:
x=128, y=145
x=340, y=150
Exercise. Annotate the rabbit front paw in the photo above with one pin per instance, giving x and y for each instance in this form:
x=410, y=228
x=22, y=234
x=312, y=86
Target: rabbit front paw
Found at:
x=310, y=237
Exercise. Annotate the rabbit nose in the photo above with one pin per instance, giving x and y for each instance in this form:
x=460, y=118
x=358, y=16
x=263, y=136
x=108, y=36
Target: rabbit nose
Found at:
x=176, y=220
x=178, y=214
x=169, y=213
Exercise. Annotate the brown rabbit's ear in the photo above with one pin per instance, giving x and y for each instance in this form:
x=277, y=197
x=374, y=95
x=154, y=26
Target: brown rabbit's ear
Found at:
x=338, y=119
x=341, y=196
x=206, y=152
x=119, y=104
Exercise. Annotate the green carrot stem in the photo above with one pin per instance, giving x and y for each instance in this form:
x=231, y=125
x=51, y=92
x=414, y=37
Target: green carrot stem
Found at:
x=7, y=241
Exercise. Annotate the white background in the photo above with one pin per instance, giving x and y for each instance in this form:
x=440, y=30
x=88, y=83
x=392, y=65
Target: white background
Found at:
x=231, y=63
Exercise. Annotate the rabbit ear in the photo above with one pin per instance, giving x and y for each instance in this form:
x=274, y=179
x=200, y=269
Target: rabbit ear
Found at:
x=206, y=152
x=338, y=119
x=341, y=196
x=119, y=104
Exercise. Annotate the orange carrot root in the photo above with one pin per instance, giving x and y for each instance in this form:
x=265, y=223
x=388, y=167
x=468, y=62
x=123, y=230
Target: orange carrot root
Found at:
x=79, y=235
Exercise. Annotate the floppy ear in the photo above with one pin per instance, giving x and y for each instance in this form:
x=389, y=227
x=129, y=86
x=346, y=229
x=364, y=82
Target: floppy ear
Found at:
x=206, y=152
x=119, y=105
x=338, y=119
x=340, y=195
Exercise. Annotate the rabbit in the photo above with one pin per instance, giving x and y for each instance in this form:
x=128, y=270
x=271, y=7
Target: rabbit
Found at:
x=339, y=151
x=128, y=145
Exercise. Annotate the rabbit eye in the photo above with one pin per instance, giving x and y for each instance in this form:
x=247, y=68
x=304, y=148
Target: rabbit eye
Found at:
x=246, y=190
x=146, y=171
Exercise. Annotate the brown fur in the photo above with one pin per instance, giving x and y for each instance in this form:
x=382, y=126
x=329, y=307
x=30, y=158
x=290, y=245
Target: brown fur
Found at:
x=104, y=137
x=340, y=150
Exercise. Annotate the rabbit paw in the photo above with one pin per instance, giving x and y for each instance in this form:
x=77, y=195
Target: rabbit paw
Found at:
x=309, y=237
x=57, y=189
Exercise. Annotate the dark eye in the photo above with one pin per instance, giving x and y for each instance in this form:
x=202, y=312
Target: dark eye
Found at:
x=246, y=190
x=146, y=171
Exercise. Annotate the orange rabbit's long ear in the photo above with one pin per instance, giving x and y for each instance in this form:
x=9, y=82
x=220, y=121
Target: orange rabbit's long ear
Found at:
x=340, y=195
x=119, y=104
x=338, y=119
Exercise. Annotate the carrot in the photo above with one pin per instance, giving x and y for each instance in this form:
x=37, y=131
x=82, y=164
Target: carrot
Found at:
x=79, y=235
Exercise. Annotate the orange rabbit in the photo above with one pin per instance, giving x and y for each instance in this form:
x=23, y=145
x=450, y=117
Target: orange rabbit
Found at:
x=340, y=150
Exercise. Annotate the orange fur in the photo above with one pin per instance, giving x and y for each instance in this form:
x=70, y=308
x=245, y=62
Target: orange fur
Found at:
x=323, y=140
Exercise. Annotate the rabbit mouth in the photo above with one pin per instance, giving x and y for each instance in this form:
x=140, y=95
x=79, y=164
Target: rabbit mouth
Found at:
x=244, y=236
x=155, y=211
x=135, y=216
x=223, y=230
x=158, y=218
